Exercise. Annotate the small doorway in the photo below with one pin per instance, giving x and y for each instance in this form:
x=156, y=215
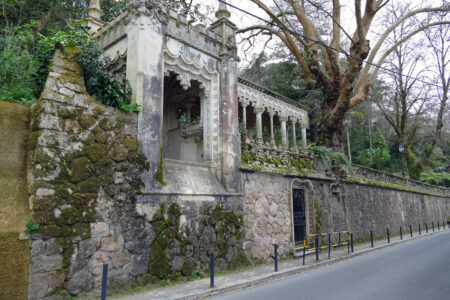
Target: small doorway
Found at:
x=299, y=216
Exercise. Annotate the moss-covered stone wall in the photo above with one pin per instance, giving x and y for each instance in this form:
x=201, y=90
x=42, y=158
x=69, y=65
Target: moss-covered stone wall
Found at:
x=83, y=173
x=331, y=206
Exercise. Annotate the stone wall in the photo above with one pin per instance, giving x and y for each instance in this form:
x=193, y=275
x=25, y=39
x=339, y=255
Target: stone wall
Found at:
x=83, y=178
x=332, y=206
x=91, y=206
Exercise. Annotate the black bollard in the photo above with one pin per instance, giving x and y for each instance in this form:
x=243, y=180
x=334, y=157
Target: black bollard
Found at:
x=420, y=231
x=351, y=239
x=339, y=241
x=329, y=246
x=348, y=243
x=439, y=226
x=388, y=236
x=304, y=251
x=410, y=230
x=104, y=281
x=401, y=233
x=371, y=237
x=211, y=270
x=432, y=224
x=426, y=227
x=316, y=241
x=275, y=248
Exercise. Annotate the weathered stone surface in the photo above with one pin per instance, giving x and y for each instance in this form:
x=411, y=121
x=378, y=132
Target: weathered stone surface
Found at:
x=79, y=282
x=39, y=285
x=112, y=243
x=139, y=264
x=43, y=263
x=120, y=258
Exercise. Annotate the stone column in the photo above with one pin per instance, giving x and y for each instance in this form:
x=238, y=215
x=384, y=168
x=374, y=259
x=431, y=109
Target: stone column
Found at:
x=229, y=102
x=244, y=119
x=259, y=111
x=294, y=135
x=145, y=34
x=283, y=120
x=272, y=139
x=188, y=113
x=304, y=145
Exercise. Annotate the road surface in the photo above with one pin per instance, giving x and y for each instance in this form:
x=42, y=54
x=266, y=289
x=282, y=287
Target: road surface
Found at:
x=419, y=269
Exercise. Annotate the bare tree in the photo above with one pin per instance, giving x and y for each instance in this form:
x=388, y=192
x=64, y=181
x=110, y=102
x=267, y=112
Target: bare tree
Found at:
x=328, y=64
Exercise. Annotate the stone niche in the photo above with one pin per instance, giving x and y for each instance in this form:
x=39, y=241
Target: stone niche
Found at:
x=182, y=121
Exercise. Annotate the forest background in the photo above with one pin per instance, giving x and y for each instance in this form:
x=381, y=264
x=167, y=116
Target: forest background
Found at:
x=399, y=111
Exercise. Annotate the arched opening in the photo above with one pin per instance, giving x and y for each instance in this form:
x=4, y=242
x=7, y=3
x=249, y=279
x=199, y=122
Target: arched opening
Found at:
x=182, y=120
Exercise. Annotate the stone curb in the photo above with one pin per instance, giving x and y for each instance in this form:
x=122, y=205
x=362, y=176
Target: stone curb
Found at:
x=293, y=270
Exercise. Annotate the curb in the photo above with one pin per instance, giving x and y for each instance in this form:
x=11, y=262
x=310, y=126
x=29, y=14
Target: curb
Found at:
x=294, y=270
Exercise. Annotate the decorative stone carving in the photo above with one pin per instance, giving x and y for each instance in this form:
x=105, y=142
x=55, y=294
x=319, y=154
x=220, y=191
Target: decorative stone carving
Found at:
x=284, y=108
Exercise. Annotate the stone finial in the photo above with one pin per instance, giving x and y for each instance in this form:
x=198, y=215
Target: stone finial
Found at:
x=222, y=12
x=94, y=13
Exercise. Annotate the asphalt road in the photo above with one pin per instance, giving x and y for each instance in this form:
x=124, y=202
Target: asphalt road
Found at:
x=418, y=269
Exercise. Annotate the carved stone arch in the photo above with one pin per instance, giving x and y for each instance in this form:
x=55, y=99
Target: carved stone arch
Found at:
x=188, y=70
x=307, y=187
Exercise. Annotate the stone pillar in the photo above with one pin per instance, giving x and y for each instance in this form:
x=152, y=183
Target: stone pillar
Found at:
x=188, y=113
x=244, y=120
x=283, y=121
x=294, y=135
x=94, y=14
x=272, y=138
x=259, y=111
x=304, y=145
x=229, y=103
x=145, y=33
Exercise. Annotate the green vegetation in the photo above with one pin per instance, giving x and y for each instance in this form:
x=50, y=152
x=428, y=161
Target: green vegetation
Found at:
x=31, y=227
x=25, y=60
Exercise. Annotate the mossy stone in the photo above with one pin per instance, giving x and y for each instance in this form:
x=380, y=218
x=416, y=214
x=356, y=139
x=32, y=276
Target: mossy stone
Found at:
x=82, y=168
x=69, y=215
x=90, y=185
x=101, y=137
x=106, y=124
x=188, y=267
x=86, y=121
x=50, y=230
x=34, y=136
x=96, y=151
x=131, y=144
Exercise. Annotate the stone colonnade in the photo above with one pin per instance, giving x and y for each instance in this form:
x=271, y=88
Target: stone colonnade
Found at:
x=286, y=112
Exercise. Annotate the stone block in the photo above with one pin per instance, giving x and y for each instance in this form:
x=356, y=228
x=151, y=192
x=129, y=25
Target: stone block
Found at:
x=99, y=229
x=45, y=247
x=79, y=282
x=39, y=285
x=120, y=258
x=139, y=264
x=177, y=263
x=112, y=243
x=44, y=263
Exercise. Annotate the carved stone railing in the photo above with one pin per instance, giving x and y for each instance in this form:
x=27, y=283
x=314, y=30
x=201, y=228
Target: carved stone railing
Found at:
x=364, y=172
x=266, y=157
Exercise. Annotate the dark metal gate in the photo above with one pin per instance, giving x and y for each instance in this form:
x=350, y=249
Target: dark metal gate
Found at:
x=298, y=200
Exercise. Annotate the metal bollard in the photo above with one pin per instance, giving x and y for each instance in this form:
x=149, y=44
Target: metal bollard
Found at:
x=388, y=236
x=275, y=246
x=371, y=237
x=304, y=251
x=410, y=230
x=438, y=226
x=339, y=242
x=211, y=270
x=401, y=233
x=104, y=281
x=329, y=245
x=316, y=241
x=348, y=243
x=351, y=238
x=432, y=224
x=426, y=227
x=420, y=231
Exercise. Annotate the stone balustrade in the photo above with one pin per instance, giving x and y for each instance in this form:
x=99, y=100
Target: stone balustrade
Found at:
x=278, y=159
